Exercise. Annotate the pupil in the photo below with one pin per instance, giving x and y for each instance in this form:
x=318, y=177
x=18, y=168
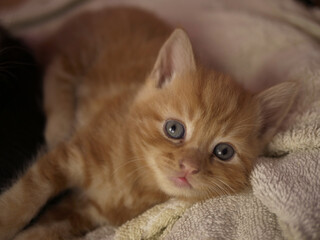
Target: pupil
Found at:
x=173, y=128
x=224, y=151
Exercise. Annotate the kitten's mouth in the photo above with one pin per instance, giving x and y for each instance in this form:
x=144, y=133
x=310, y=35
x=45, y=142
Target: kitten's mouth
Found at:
x=181, y=182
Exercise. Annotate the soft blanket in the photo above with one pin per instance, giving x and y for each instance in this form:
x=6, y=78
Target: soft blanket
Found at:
x=260, y=43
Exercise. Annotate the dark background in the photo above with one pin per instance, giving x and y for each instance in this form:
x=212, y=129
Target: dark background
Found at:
x=21, y=117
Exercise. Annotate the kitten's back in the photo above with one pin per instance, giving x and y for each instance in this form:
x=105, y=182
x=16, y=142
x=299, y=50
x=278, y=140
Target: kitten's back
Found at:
x=111, y=39
x=96, y=63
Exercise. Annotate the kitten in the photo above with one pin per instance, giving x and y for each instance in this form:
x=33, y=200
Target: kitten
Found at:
x=21, y=117
x=134, y=120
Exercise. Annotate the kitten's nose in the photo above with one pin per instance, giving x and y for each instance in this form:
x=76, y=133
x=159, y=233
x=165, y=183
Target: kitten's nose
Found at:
x=190, y=166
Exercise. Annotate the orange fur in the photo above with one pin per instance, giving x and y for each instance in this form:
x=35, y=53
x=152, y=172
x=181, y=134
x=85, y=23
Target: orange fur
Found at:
x=108, y=95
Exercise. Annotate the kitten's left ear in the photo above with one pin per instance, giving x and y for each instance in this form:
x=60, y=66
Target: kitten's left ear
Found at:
x=175, y=57
x=275, y=104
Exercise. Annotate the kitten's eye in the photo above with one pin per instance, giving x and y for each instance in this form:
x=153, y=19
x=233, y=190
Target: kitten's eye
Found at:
x=223, y=151
x=174, y=129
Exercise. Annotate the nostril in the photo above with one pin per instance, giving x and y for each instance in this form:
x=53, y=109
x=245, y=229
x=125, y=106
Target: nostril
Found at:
x=188, y=167
x=182, y=166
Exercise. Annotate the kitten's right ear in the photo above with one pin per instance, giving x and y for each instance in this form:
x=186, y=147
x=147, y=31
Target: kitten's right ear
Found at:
x=175, y=57
x=275, y=103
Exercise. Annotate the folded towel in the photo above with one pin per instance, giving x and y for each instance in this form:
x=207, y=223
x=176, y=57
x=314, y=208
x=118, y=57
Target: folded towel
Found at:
x=153, y=224
x=230, y=217
x=290, y=185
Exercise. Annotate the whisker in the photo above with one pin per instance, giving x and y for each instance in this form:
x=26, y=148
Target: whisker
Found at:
x=218, y=188
x=225, y=184
x=133, y=172
x=132, y=160
x=221, y=188
x=211, y=192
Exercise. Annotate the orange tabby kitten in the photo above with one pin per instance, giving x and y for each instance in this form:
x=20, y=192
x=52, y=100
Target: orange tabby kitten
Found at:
x=130, y=126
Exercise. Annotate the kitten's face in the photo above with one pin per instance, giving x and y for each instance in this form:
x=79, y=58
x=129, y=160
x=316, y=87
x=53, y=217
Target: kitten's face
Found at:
x=198, y=131
x=198, y=135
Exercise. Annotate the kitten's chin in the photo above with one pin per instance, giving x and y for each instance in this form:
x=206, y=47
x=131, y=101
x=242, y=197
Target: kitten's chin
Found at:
x=179, y=187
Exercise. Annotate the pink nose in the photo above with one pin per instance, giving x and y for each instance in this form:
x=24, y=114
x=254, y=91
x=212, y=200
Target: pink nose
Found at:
x=189, y=166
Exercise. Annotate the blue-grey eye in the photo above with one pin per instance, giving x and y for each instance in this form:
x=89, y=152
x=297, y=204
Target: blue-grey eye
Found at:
x=223, y=151
x=174, y=129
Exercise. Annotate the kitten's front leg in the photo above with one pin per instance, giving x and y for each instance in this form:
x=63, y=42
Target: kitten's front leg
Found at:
x=59, y=103
x=72, y=217
x=49, y=175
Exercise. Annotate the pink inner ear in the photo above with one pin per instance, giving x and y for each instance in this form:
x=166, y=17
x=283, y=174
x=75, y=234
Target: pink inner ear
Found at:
x=175, y=56
x=165, y=70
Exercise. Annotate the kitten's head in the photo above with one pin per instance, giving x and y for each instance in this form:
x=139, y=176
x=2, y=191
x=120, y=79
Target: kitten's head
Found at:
x=198, y=131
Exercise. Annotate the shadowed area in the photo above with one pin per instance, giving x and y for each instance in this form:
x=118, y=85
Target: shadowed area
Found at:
x=21, y=117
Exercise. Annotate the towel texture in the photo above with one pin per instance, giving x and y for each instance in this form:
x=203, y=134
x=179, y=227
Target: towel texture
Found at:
x=155, y=223
x=290, y=185
x=260, y=43
x=229, y=217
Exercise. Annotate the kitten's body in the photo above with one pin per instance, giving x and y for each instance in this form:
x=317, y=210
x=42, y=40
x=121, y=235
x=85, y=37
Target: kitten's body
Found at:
x=106, y=127
x=103, y=85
